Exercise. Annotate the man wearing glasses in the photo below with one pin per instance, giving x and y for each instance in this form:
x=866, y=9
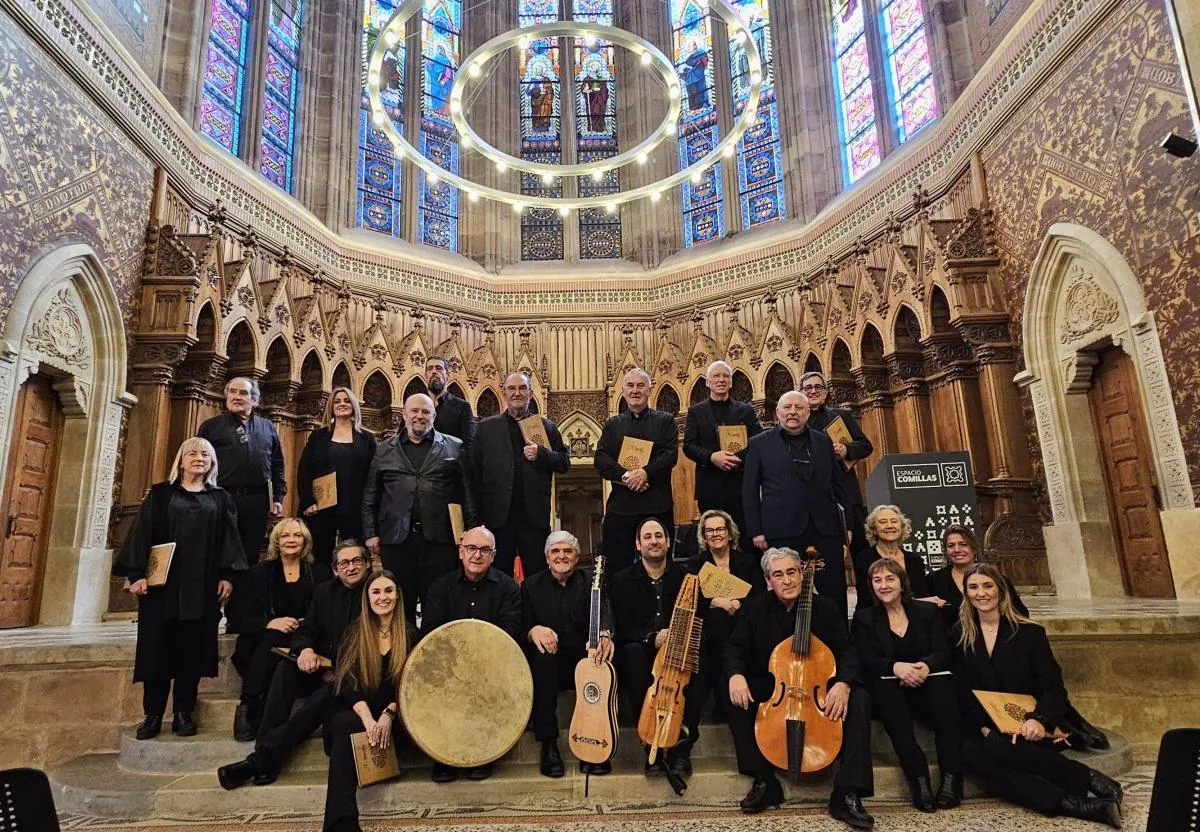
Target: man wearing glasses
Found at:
x=512, y=477
x=334, y=607
x=718, y=470
x=454, y=416
x=817, y=392
x=475, y=590
x=249, y=462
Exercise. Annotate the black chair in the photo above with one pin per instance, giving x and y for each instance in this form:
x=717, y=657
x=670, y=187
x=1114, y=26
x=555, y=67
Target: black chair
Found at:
x=1173, y=805
x=26, y=804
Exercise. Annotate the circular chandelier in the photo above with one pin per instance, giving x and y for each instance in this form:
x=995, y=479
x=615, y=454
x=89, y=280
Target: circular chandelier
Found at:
x=472, y=69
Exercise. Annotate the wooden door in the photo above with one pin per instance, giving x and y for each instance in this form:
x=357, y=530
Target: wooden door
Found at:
x=1129, y=471
x=28, y=501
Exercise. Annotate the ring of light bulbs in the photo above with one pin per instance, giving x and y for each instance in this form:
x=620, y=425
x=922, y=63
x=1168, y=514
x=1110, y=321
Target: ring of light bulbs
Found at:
x=392, y=34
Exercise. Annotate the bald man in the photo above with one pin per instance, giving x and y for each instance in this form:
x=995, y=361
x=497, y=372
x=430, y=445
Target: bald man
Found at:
x=414, y=476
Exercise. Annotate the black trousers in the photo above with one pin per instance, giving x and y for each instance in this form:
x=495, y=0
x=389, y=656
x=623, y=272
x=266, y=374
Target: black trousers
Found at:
x=857, y=518
x=619, y=532
x=183, y=666
x=831, y=580
x=519, y=538
x=288, y=684
x=256, y=663
x=417, y=563
x=341, y=793
x=854, y=763
x=934, y=703
x=328, y=527
x=252, y=511
x=734, y=509
x=275, y=745
x=708, y=679
x=551, y=672
x=634, y=665
x=1029, y=774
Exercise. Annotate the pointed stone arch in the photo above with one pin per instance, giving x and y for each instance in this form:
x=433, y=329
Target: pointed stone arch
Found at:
x=378, y=397
x=65, y=321
x=699, y=391
x=488, y=403
x=1082, y=296
x=341, y=376
x=668, y=400
x=776, y=381
x=580, y=434
x=742, y=389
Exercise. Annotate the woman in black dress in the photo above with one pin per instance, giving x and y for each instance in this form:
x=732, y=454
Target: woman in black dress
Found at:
x=998, y=649
x=343, y=448
x=887, y=528
x=962, y=551
x=281, y=587
x=177, y=622
x=369, y=664
x=903, y=651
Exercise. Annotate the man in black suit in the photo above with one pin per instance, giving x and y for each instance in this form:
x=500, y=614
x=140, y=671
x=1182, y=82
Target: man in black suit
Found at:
x=813, y=386
x=454, y=416
x=718, y=472
x=792, y=493
x=412, y=479
x=764, y=622
x=640, y=492
x=512, y=478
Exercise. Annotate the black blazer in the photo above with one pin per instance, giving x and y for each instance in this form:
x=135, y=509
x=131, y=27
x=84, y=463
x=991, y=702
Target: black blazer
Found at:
x=314, y=462
x=877, y=647
x=393, y=485
x=659, y=427
x=491, y=468
x=333, y=609
x=700, y=442
x=266, y=594
x=941, y=583
x=631, y=595
x=778, y=502
x=1021, y=662
x=859, y=448
x=454, y=418
x=914, y=568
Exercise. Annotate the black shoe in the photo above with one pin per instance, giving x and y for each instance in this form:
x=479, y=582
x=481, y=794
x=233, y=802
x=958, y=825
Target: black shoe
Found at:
x=345, y=825
x=443, y=773
x=552, y=762
x=950, y=791
x=266, y=778
x=596, y=769
x=1092, y=736
x=1091, y=808
x=655, y=768
x=1106, y=788
x=149, y=728
x=846, y=806
x=679, y=760
x=235, y=774
x=764, y=794
x=922, y=794
x=483, y=772
x=243, y=729
x=183, y=725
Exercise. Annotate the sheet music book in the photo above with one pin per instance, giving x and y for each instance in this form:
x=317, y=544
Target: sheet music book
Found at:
x=373, y=765
x=159, y=563
x=1008, y=711
x=715, y=583
x=534, y=430
x=457, y=527
x=635, y=453
x=838, y=432
x=732, y=438
x=322, y=661
x=324, y=490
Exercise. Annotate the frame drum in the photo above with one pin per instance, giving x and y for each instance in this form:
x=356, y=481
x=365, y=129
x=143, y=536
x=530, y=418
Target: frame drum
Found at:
x=466, y=693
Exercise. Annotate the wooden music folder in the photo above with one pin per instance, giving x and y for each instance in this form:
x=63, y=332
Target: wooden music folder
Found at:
x=715, y=583
x=457, y=527
x=373, y=765
x=534, y=430
x=324, y=490
x=838, y=432
x=323, y=662
x=732, y=438
x=635, y=453
x=1008, y=711
x=159, y=563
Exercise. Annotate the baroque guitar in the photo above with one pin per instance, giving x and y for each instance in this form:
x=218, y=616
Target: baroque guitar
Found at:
x=593, y=734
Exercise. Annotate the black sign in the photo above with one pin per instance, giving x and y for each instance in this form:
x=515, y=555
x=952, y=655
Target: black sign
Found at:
x=933, y=490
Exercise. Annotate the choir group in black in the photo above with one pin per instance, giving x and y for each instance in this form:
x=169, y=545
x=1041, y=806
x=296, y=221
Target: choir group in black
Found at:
x=339, y=592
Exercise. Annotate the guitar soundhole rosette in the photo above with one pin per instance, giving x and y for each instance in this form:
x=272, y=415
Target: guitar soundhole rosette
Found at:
x=591, y=693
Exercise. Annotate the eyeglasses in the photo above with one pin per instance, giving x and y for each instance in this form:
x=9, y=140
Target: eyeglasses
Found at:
x=813, y=388
x=715, y=532
x=472, y=549
x=350, y=562
x=241, y=434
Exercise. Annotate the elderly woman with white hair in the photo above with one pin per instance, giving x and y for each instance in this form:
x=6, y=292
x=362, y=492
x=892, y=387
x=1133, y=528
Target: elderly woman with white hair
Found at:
x=887, y=528
x=177, y=620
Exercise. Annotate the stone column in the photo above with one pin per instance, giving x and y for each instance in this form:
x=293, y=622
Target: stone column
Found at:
x=914, y=419
x=877, y=417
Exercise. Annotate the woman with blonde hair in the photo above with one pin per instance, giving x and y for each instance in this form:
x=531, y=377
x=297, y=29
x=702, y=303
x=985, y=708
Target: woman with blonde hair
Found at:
x=887, y=528
x=177, y=620
x=280, y=589
x=366, y=683
x=344, y=448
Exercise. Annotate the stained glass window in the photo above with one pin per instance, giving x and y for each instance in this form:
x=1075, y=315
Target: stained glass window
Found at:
x=281, y=91
x=691, y=45
x=596, y=129
x=759, y=160
x=910, y=82
x=541, y=130
x=437, y=202
x=379, y=172
x=852, y=84
x=224, y=89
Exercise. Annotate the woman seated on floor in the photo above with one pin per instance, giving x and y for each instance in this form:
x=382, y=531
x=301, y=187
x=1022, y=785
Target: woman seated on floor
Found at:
x=901, y=645
x=367, y=679
x=998, y=649
x=281, y=587
x=887, y=528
